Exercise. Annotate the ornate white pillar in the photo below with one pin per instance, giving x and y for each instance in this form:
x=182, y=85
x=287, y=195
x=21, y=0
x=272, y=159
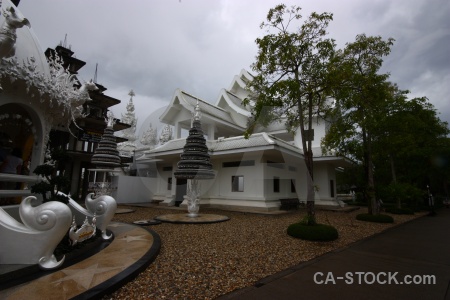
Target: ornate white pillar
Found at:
x=177, y=130
x=211, y=132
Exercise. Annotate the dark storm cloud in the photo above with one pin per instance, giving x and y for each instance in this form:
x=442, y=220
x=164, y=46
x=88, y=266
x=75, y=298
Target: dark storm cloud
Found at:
x=419, y=60
x=155, y=47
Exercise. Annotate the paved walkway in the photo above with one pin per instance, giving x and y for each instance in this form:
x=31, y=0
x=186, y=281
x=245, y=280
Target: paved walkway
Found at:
x=420, y=249
x=131, y=251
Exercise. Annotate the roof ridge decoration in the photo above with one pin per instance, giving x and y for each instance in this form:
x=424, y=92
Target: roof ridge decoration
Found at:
x=268, y=139
x=203, y=101
x=232, y=105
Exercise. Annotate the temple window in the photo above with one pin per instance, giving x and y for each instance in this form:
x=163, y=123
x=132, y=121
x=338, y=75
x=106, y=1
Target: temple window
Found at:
x=293, y=186
x=237, y=183
x=169, y=183
x=276, y=184
x=332, y=188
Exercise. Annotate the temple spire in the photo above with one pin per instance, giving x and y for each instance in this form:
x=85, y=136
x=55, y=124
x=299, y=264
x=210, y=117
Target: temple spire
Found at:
x=198, y=113
x=95, y=74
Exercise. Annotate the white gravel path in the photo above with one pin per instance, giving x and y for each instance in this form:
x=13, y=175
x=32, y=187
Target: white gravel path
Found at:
x=204, y=261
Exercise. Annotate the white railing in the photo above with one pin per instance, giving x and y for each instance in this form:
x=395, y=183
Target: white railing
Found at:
x=4, y=177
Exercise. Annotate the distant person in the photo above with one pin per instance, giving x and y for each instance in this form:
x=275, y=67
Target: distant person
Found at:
x=12, y=163
x=5, y=147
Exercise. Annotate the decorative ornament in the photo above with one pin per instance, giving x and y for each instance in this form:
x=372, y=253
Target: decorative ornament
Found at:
x=195, y=163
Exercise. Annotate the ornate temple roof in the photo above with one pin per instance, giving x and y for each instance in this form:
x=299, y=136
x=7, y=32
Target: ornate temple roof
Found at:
x=189, y=101
x=257, y=141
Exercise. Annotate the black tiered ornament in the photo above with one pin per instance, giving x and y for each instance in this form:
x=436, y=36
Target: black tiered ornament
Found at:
x=195, y=163
x=105, y=159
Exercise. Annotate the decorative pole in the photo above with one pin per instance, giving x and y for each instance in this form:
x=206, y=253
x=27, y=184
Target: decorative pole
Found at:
x=195, y=163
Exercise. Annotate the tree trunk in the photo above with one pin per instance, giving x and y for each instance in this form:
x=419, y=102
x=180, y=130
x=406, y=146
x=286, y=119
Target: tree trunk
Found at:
x=368, y=168
x=307, y=151
x=310, y=207
x=394, y=180
x=394, y=176
x=374, y=207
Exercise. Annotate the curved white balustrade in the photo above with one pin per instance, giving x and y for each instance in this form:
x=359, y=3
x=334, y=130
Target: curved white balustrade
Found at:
x=34, y=240
x=104, y=208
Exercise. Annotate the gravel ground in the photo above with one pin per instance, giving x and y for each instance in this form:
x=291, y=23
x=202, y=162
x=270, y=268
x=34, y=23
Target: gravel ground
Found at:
x=204, y=261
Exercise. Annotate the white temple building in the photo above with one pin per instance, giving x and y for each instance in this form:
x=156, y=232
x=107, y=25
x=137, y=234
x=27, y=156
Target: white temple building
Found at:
x=251, y=174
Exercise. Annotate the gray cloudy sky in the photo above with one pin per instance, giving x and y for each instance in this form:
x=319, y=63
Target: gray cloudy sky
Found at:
x=157, y=46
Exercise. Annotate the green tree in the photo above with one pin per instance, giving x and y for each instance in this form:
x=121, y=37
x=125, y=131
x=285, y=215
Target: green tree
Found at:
x=409, y=137
x=291, y=81
x=53, y=178
x=362, y=96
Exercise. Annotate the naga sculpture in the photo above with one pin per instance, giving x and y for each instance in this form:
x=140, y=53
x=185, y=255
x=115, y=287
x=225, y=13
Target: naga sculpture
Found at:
x=80, y=97
x=34, y=240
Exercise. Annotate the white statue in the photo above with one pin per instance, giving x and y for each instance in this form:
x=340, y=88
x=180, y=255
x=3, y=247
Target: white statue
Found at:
x=81, y=97
x=8, y=34
x=197, y=113
x=166, y=135
x=110, y=121
x=149, y=137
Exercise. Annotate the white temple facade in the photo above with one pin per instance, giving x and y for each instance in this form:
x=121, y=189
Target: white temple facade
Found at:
x=251, y=174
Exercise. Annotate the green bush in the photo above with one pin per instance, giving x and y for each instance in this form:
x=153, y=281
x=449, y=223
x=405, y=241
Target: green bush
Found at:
x=318, y=232
x=400, y=211
x=400, y=193
x=375, y=218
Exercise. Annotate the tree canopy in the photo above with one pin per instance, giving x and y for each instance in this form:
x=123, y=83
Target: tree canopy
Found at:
x=375, y=123
x=362, y=96
x=291, y=80
x=300, y=77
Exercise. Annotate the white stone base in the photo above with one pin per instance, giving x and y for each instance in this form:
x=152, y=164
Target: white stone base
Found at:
x=329, y=203
x=252, y=204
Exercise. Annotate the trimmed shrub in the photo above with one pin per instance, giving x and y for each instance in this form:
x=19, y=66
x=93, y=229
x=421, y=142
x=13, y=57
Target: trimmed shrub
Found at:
x=375, y=218
x=400, y=211
x=318, y=232
x=400, y=193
